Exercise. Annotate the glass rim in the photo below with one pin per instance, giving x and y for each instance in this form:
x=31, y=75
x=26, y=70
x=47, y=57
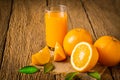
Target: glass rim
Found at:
x=47, y=9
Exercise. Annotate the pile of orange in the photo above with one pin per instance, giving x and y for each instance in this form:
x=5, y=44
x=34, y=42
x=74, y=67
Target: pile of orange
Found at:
x=84, y=55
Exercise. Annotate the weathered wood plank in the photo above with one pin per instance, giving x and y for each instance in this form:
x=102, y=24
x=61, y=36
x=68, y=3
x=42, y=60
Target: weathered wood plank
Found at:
x=5, y=8
x=25, y=37
x=106, y=75
x=78, y=16
x=104, y=17
x=115, y=72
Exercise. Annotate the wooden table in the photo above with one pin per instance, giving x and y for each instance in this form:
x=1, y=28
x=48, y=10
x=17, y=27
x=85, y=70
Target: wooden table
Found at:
x=22, y=32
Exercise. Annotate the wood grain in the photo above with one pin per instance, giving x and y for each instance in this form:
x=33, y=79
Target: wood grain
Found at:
x=25, y=37
x=5, y=9
x=103, y=16
x=106, y=75
x=115, y=72
x=78, y=16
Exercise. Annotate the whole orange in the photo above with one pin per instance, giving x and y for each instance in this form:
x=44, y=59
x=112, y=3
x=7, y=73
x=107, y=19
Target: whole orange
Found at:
x=109, y=50
x=75, y=36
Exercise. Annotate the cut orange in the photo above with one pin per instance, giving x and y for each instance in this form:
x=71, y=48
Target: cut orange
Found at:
x=59, y=54
x=42, y=57
x=84, y=57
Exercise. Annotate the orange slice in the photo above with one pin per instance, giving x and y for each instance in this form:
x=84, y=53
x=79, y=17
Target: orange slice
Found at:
x=59, y=54
x=84, y=57
x=42, y=57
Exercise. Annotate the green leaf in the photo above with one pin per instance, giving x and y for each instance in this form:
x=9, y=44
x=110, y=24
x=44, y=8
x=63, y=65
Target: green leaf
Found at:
x=28, y=70
x=48, y=67
x=71, y=75
x=95, y=75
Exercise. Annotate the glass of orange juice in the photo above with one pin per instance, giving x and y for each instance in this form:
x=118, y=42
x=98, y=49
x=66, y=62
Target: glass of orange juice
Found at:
x=56, y=24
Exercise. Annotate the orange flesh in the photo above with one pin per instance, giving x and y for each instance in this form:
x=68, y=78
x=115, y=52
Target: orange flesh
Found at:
x=56, y=27
x=59, y=54
x=41, y=57
x=81, y=55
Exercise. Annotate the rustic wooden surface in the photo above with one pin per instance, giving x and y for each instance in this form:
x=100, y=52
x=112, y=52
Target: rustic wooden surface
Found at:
x=22, y=32
x=5, y=11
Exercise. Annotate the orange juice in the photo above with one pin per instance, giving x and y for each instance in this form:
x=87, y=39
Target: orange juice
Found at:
x=56, y=27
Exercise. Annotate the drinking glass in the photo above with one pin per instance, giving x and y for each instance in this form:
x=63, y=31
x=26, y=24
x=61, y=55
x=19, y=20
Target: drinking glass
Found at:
x=56, y=24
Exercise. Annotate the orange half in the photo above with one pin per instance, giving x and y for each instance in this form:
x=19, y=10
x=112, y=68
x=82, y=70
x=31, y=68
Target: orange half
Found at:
x=84, y=57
